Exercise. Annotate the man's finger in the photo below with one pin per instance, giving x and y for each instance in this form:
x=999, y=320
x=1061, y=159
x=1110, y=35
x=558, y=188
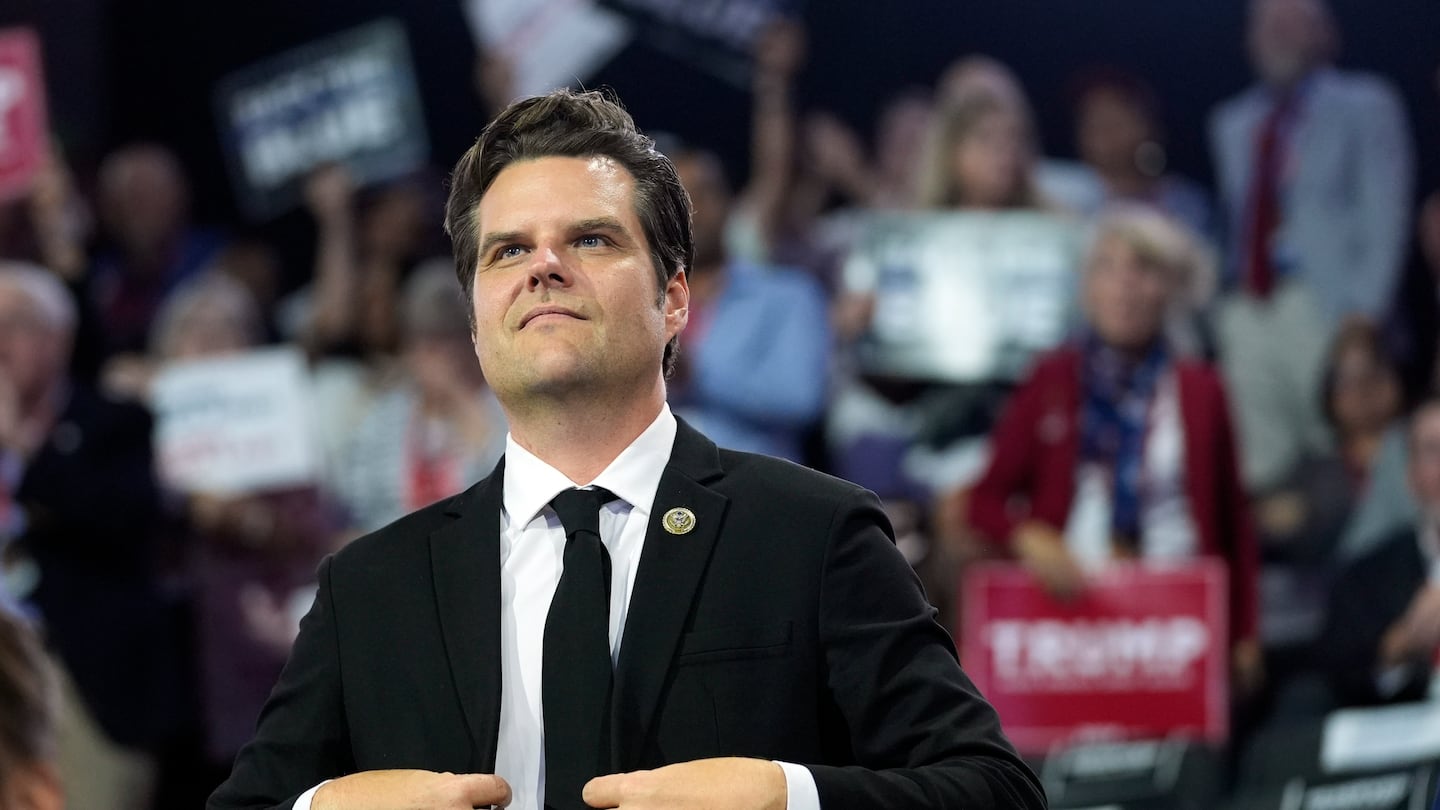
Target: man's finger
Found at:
x=604, y=791
x=483, y=790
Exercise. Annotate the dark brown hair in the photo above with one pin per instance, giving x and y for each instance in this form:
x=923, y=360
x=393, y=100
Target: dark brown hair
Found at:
x=570, y=124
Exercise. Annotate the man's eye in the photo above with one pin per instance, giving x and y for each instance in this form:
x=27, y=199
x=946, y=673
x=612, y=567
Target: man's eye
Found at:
x=509, y=252
x=591, y=241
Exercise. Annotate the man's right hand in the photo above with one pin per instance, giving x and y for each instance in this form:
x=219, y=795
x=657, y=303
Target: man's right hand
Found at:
x=412, y=790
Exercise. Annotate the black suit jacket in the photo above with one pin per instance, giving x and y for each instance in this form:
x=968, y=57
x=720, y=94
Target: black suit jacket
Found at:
x=1370, y=596
x=94, y=513
x=784, y=626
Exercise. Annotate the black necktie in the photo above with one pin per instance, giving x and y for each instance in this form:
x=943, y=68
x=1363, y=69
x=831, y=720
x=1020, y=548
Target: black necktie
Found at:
x=575, y=672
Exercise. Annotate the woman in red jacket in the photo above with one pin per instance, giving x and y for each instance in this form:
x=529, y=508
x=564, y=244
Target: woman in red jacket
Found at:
x=1118, y=445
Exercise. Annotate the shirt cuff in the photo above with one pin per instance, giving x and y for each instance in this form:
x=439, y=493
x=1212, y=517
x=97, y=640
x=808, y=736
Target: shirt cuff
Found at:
x=303, y=803
x=800, y=790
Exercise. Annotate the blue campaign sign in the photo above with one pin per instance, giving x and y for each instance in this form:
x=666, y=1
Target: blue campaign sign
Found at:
x=350, y=98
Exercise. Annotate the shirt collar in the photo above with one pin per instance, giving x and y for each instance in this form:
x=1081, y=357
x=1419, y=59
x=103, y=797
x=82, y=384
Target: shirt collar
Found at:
x=634, y=475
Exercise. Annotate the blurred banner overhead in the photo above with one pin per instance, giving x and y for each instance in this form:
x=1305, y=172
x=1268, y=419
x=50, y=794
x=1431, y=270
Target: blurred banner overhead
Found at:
x=350, y=98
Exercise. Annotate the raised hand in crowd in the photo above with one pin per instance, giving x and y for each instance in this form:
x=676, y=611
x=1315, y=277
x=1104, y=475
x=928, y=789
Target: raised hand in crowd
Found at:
x=837, y=158
x=60, y=219
x=330, y=198
x=1416, y=635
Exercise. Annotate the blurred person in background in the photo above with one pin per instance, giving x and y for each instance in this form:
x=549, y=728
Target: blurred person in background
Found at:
x=148, y=246
x=1341, y=502
x=1119, y=446
x=1383, y=640
x=753, y=375
x=251, y=556
x=1066, y=184
x=1357, y=490
x=980, y=157
x=1315, y=169
x=837, y=159
x=367, y=244
x=437, y=431
x=29, y=712
x=1118, y=134
x=80, y=506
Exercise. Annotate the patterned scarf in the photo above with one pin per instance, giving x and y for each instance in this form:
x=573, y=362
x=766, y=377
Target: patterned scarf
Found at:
x=1117, y=391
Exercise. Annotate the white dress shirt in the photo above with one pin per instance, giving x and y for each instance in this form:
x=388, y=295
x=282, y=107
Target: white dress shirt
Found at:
x=532, y=548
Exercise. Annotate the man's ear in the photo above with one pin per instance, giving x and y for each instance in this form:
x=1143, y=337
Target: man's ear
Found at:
x=677, y=303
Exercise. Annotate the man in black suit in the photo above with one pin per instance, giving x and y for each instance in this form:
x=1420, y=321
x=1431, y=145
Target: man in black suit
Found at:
x=79, y=501
x=1384, y=632
x=712, y=629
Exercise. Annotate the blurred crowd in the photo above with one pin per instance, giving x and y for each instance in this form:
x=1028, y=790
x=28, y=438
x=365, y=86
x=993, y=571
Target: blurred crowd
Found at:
x=1244, y=379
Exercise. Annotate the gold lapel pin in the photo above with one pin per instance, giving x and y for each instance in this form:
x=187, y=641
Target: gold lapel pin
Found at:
x=679, y=521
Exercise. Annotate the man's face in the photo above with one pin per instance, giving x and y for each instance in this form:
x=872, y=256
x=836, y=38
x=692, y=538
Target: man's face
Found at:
x=1425, y=458
x=1287, y=38
x=32, y=351
x=565, y=296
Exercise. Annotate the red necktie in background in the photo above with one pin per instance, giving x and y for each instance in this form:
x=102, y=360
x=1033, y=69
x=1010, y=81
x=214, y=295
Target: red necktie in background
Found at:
x=1265, y=200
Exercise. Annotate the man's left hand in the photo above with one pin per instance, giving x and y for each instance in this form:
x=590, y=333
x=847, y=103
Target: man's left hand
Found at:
x=732, y=783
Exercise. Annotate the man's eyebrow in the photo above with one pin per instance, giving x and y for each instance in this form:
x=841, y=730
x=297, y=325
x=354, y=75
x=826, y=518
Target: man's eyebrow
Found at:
x=493, y=239
x=609, y=224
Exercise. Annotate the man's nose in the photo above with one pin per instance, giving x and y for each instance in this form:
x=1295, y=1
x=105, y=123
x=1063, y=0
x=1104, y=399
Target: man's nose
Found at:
x=548, y=268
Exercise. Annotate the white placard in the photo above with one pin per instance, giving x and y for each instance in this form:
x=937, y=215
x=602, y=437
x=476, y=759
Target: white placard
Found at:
x=1357, y=739
x=548, y=43
x=963, y=297
x=236, y=424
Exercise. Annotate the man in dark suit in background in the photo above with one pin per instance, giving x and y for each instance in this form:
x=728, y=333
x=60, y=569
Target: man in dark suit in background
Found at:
x=79, y=501
x=1384, y=633
x=621, y=615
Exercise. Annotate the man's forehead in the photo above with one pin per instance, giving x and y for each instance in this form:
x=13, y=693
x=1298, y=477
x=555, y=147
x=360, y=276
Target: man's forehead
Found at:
x=555, y=186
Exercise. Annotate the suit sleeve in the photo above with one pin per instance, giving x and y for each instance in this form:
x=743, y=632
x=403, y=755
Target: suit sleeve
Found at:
x=1369, y=597
x=1384, y=182
x=302, y=738
x=922, y=735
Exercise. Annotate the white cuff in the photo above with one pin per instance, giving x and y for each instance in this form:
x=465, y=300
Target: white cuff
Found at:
x=303, y=803
x=800, y=790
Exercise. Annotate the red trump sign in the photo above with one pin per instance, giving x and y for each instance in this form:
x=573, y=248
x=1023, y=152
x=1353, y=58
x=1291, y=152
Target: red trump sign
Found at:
x=1141, y=652
x=22, y=111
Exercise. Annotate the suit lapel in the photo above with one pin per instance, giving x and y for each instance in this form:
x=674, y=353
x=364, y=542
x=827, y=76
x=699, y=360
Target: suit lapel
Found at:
x=671, y=567
x=465, y=565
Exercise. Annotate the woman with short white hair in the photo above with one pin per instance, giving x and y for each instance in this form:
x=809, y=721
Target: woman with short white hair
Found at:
x=1119, y=444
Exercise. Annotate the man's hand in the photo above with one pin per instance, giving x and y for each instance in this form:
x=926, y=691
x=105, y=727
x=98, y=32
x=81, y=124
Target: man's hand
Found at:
x=412, y=790
x=731, y=783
